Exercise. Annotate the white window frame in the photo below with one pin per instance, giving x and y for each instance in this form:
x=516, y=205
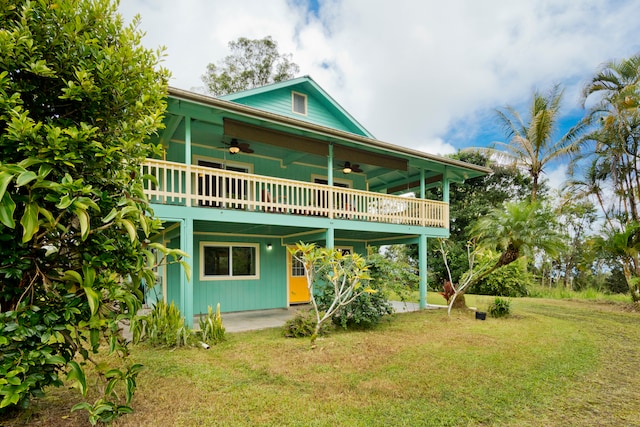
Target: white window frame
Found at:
x=293, y=102
x=230, y=246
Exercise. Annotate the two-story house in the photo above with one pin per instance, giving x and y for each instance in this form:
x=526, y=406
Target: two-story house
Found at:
x=246, y=175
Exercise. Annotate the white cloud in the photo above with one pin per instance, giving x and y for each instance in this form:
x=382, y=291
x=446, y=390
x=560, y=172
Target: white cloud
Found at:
x=556, y=178
x=413, y=72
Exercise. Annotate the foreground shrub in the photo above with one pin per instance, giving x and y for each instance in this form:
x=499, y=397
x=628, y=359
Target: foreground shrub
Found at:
x=500, y=307
x=79, y=96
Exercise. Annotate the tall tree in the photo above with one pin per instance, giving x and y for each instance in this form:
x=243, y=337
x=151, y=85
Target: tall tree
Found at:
x=532, y=141
x=614, y=175
x=79, y=97
x=575, y=217
x=616, y=140
x=252, y=63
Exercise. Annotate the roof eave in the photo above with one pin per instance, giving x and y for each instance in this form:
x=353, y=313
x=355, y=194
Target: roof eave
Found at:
x=329, y=132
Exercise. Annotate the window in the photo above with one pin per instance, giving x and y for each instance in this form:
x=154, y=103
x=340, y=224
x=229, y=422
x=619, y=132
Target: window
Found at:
x=224, y=261
x=297, y=267
x=214, y=186
x=299, y=103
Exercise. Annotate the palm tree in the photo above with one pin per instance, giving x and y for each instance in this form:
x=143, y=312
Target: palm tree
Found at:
x=531, y=139
x=615, y=160
x=515, y=230
x=592, y=184
x=617, y=139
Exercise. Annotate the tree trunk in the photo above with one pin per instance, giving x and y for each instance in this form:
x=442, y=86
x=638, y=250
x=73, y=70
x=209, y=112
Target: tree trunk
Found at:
x=459, y=303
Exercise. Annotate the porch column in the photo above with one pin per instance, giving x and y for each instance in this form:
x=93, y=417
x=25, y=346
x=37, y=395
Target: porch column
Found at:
x=186, y=285
x=330, y=166
x=422, y=251
x=445, y=185
x=330, y=239
x=422, y=261
x=187, y=140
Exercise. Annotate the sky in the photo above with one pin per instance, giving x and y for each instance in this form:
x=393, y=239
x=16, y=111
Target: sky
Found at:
x=423, y=74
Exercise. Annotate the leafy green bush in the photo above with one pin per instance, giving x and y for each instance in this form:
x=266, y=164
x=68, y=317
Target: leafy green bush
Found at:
x=303, y=324
x=211, y=328
x=163, y=327
x=500, y=307
x=79, y=97
x=513, y=280
x=392, y=275
x=365, y=311
x=368, y=309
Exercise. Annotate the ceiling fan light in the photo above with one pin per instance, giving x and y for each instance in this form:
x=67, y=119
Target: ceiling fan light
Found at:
x=233, y=146
x=347, y=168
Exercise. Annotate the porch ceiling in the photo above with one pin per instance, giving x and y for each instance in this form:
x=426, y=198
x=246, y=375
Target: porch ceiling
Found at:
x=294, y=233
x=379, y=178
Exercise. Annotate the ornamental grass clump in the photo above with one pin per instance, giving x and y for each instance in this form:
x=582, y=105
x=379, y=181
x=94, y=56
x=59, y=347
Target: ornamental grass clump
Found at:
x=211, y=328
x=163, y=327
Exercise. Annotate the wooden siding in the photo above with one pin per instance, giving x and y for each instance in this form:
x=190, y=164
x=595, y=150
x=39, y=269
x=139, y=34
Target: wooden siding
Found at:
x=267, y=291
x=280, y=102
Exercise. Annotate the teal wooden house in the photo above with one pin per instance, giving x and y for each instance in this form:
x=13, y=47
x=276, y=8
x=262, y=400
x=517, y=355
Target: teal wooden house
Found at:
x=246, y=175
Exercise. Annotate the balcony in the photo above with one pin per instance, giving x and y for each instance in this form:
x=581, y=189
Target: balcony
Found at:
x=202, y=187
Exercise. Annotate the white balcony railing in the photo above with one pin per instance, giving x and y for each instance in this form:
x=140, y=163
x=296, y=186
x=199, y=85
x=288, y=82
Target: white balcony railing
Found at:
x=189, y=185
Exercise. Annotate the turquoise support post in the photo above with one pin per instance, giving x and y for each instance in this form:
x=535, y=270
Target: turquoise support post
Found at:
x=330, y=239
x=445, y=185
x=187, y=140
x=422, y=252
x=186, y=285
x=330, y=242
x=186, y=240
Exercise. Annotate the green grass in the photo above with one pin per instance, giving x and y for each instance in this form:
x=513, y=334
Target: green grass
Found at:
x=552, y=363
x=587, y=294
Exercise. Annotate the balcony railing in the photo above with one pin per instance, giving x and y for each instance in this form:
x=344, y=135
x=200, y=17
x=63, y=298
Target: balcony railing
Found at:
x=198, y=186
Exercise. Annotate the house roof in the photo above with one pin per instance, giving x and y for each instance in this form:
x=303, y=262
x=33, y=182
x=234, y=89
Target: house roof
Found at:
x=270, y=97
x=311, y=134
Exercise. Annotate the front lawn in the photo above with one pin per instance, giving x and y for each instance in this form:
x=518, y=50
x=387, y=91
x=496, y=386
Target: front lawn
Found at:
x=553, y=363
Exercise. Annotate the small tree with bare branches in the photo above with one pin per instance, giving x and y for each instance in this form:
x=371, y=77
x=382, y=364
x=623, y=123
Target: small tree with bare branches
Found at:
x=347, y=275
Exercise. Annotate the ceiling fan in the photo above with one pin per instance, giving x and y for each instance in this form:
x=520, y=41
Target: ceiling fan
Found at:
x=237, y=147
x=347, y=167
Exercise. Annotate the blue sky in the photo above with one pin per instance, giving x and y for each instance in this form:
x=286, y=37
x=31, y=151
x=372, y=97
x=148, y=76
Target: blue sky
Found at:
x=419, y=73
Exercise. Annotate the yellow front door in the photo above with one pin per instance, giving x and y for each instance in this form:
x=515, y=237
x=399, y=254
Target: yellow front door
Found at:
x=298, y=290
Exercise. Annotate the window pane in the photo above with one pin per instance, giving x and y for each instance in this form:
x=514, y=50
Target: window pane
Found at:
x=299, y=104
x=244, y=261
x=216, y=261
x=297, y=267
